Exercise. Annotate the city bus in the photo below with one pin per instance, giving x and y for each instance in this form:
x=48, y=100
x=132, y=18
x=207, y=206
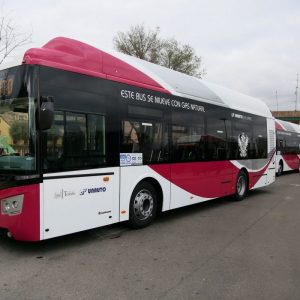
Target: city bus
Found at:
x=92, y=137
x=287, y=146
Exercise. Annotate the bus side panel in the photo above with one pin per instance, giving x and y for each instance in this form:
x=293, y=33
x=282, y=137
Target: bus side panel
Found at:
x=288, y=162
x=200, y=181
x=79, y=200
x=132, y=175
x=24, y=226
x=291, y=162
x=288, y=146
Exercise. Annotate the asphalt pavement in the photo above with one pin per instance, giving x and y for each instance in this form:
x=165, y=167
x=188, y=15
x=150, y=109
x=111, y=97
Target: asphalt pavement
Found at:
x=220, y=249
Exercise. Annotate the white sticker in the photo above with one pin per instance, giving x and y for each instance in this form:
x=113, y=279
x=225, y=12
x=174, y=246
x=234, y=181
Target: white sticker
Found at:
x=131, y=159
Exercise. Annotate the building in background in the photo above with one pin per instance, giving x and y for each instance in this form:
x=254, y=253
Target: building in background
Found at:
x=289, y=116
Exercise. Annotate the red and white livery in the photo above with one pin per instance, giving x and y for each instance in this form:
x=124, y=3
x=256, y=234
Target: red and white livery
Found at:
x=287, y=146
x=109, y=138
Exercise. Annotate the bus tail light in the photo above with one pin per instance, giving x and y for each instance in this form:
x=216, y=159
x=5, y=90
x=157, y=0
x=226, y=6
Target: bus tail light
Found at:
x=12, y=206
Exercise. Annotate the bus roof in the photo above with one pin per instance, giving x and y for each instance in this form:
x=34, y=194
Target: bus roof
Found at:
x=287, y=126
x=71, y=55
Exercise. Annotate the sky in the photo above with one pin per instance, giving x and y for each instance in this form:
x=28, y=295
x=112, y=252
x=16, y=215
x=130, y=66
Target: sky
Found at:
x=252, y=46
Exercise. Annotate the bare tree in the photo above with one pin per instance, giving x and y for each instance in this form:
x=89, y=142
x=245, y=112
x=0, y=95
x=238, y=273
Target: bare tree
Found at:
x=147, y=45
x=139, y=42
x=10, y=38
x=181, y=58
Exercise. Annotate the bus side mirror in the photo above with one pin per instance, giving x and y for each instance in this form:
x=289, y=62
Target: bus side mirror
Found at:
x=46, y=112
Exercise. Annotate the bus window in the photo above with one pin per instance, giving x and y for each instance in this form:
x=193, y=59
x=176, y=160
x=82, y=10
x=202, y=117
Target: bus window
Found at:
x=260, y=143
x=216, y=138
x=75, y=141
x=54, y=142
x=147, y=137
x=96, y=136
x=188, y=141
x=130, y=137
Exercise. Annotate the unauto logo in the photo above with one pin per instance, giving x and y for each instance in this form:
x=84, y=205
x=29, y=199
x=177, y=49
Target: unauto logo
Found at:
x=97, y=190
x=82, y=192
x=93, y=190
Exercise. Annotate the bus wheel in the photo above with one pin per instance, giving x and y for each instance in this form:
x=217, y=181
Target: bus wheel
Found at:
x=143, y=205
x=280, y=168
x=241, y=187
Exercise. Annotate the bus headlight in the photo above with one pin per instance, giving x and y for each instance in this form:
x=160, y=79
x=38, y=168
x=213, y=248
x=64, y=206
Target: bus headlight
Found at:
x=12, y=206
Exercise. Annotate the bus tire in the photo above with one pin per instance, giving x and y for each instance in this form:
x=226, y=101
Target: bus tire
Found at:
x=241, y=186
x=280, y=168
x=143, y=205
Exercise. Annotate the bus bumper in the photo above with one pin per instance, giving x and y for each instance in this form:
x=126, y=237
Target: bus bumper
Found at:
x=20, y=212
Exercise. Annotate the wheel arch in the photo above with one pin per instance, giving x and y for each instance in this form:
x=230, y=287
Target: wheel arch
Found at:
x=247, y=174
x=239, y=196
x=280, y=164
x=154, y=182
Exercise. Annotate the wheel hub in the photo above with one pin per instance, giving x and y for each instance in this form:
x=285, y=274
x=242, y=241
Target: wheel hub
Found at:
x=143, y=204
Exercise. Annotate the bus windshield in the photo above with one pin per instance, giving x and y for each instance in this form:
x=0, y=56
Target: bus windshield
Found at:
x=17, y=124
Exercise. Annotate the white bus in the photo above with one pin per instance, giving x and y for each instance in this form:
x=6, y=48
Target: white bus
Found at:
x=287, y=146
x=91, y=138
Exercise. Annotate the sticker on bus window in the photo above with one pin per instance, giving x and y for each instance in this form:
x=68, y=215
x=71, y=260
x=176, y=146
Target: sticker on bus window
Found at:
x=131, y=159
